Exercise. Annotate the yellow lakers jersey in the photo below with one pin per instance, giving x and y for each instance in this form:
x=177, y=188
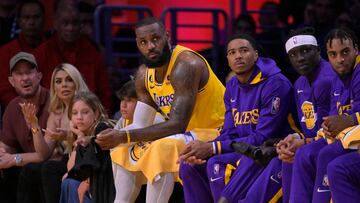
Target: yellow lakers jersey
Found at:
x=209, y=107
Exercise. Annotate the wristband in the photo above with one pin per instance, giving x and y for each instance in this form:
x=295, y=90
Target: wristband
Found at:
x=214, y=148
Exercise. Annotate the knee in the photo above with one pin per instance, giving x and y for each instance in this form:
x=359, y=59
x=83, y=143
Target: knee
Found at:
x=303, y=156
x=211, y=163
x=331, y=151
x=335, y=169
x=46, y=167
x=70, y=185
x=325, y=152
x=185, y=170
x=30, y=171
x=166, y=144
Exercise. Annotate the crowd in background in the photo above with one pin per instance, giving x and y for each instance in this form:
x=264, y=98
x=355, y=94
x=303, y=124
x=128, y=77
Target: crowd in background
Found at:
x=71, y=44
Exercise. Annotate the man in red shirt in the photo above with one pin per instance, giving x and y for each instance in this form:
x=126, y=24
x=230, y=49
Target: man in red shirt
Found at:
x=31, y=22
x=67, y=45
x=16, y=142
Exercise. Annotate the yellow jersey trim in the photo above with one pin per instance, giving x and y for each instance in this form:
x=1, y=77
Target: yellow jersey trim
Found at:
x=257, y=79
x=291, y=122
x=218, y=146
x=277, y=196
x=228, y=172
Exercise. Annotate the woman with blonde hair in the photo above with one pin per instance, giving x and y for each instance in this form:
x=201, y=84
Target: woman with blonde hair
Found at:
x=66, y=80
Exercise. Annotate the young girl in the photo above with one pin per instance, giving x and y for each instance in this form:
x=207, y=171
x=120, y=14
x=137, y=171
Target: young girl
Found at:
x=87, y=115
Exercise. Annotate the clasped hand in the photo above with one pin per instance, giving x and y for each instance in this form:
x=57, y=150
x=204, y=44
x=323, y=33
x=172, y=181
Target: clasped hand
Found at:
x=333, y=125
x=196, y=152
x=287, y=147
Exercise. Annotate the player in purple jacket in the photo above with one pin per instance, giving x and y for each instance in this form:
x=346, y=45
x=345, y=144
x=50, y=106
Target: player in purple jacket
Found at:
x=312, y=97
x=258, y=101
x=309, y=180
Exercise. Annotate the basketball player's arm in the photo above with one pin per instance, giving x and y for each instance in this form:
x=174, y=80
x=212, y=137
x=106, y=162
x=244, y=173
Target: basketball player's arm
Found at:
x=185, y=79
x=196, y=152
x=186, y=76
x=141, y=91
x=333, y=125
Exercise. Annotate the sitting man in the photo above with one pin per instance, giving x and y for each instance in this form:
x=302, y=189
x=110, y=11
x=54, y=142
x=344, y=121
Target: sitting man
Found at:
x=309, y=180
x=16, y=142
x=30, y=18
x=312, y=97
x=180, y=84
x=258, y=100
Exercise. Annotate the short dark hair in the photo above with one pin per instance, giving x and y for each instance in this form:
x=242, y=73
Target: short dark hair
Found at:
x=247, y=37
x=247, y=18
x=86, y=7
x=342, y=34
x=61, y=4
x=301, y=31
x=127, y=90
x=149, y=21
x=25, y=2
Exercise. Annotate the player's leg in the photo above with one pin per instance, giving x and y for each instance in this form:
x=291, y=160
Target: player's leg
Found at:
x=160, y=190
x=321, y=187
x=127, y=184
x=267, y=186
x=344, y=178
x=195, y=183
x=219, y=169
x=287, y=169
x=304, y=171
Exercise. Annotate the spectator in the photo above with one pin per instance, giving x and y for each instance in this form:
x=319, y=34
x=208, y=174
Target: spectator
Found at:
x=8, y=27
x=30, y=18
x=353, y=8
x=96, y=185
x=343, y=21
x=128, y=99
x=325, y=15
x=17, y=147
x=67, y=45
x=293, y=10
x=244, y=24
x=87, y=19
x=309, y=14
x=65, y=81
x=272, y=34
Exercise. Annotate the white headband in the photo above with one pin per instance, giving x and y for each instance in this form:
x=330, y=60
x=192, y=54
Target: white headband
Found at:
x=300, y=40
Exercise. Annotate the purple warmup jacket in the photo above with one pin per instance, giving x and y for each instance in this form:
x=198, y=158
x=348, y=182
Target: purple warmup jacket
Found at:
x=257, y=110
x=313, y=100
x=345, y=94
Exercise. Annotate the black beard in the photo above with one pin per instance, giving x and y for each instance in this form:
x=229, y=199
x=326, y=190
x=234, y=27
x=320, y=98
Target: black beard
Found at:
x=161, y=60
